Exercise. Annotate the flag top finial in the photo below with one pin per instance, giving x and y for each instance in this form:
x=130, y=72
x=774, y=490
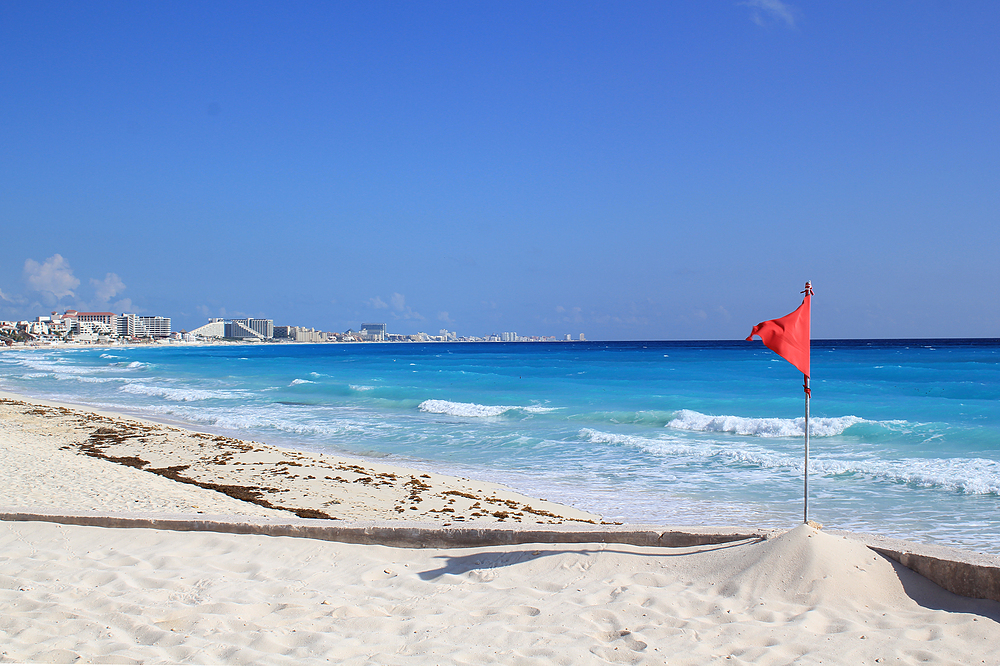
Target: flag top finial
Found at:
x=809, y=288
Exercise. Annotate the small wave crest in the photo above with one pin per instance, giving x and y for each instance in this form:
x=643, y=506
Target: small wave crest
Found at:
x=687, y=419
x=109, y=356
x=474, y=410
x=296, y=382
x=177, y=395
x=652, y=418
x=93, y=380
x=134, y=365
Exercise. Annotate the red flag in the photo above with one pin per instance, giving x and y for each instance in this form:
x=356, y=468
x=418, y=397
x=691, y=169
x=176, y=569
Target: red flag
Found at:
x=789, y=336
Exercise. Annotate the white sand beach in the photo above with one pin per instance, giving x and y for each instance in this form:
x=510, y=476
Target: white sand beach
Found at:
x=78, y=594
x=55, y=452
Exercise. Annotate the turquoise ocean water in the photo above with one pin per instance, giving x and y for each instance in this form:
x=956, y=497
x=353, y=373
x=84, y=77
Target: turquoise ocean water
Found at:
x=905, y=434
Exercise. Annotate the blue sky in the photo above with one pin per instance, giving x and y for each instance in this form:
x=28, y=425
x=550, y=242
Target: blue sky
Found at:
x=629, y=170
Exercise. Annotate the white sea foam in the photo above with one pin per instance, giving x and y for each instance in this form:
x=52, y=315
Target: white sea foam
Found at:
x=474, y=410
x=47, y=366
x=661, y=446
x=175, y=394
x=109, y=356
x=92, y=380
x=128, y=365
x=253, y=421
x=296, y=382
x=971, y=476
x=358, y=387
x=687, y=419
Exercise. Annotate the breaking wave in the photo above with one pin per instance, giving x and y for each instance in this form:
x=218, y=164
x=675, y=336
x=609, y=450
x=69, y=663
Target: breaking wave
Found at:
x=474, y=410
x=177, y=395
x=134, y=365
x=687, y=419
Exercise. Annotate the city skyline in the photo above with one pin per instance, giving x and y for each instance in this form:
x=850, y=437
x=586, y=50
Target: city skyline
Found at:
x=631, y=171
x=106, y=327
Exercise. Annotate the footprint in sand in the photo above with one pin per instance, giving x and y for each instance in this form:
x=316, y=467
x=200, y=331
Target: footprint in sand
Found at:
x=529, y=611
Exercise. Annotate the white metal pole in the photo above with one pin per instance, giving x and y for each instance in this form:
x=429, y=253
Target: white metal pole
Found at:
x=805, y=471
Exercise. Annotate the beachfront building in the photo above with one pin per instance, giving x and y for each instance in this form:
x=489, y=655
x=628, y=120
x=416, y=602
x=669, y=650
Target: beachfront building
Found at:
x=236, y=329
x=299, y=334
x=92, y=331
x=262, y=329
x=130, y=326
x=303, y=334
x=215, y=328
x=373, y=332
x=62, y=325
x=109, y=319
x=156, y=327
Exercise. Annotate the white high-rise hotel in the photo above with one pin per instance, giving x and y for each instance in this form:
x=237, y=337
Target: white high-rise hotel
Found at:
x=108, y=323
x=246, y=328
x=136, y=326
x=239, y=329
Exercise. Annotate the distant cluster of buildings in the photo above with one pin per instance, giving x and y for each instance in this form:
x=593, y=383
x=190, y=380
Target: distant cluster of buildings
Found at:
x=86, y=327
x=109, y=328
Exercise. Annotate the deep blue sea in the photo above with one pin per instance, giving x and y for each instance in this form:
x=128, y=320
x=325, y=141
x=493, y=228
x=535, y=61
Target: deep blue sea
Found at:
x=905, y=434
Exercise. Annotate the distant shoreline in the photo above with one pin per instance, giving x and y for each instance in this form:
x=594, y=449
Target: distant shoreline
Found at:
x=736, y=343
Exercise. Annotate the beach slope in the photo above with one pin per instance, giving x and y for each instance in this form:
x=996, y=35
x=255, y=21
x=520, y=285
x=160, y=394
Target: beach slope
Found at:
x=73, y=593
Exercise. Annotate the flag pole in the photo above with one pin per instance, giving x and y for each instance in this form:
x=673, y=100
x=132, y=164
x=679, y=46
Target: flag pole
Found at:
x=805, y=385
x=789, y=337
x=805, y=468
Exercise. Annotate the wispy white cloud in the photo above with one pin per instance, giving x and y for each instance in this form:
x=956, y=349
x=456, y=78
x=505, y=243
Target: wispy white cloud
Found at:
x=402, y=310
x=5, y=297
x=53, y=278
x=107, y=288
x=377, y=303
x=443, y=316
x=764, y=11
